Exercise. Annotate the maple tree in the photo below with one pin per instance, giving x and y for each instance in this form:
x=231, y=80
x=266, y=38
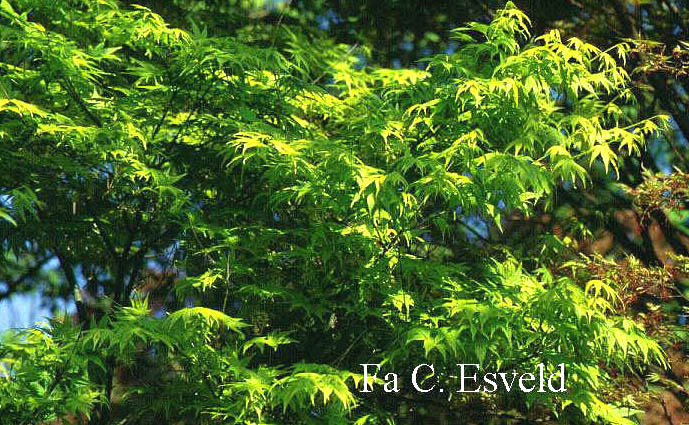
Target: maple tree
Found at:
x=317, y=212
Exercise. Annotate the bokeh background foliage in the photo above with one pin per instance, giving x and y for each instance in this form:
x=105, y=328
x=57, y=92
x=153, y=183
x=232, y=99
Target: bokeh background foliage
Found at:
x=228, y=206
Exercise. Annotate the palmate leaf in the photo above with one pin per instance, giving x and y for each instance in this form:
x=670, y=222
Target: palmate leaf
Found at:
x=190, y=317
x=273, y=340
x=307, y=381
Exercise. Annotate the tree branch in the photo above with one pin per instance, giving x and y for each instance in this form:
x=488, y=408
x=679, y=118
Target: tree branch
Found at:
x=69, y=88
x=13, y=285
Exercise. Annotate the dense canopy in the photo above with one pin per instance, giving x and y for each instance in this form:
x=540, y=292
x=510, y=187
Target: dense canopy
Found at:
x=244, y=215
